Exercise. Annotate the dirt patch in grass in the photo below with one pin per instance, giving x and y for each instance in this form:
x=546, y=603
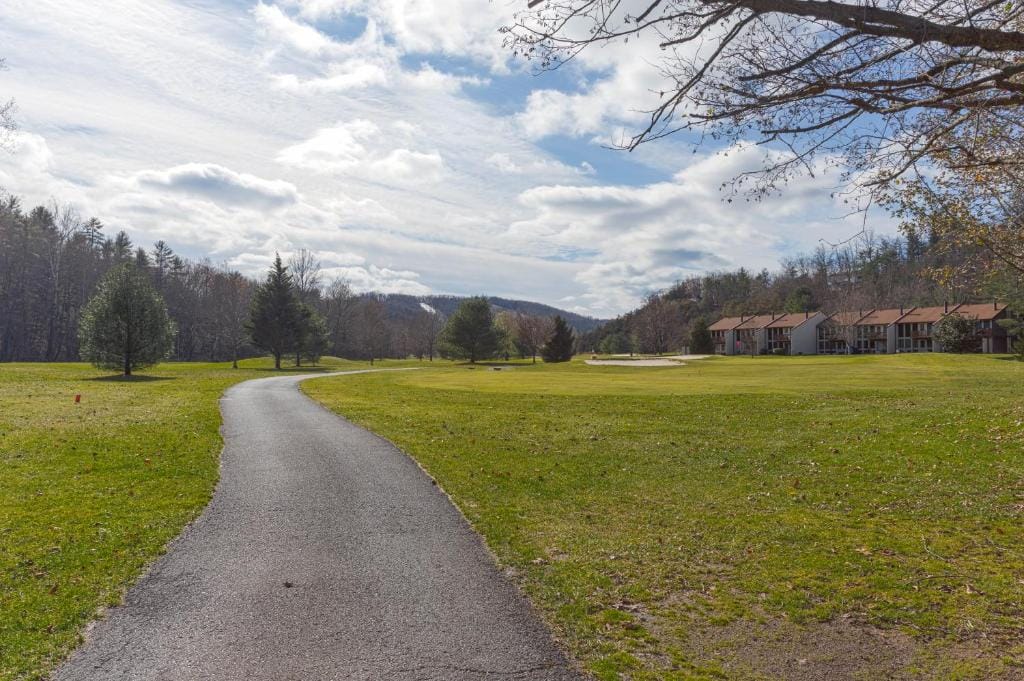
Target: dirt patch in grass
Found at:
x=846, y=650
x=839, y=650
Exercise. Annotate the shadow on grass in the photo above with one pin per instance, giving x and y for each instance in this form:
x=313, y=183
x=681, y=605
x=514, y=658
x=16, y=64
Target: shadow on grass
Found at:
x=300, y=370
x=118, y=378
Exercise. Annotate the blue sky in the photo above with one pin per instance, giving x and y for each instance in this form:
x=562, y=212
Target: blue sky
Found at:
x=397, y=139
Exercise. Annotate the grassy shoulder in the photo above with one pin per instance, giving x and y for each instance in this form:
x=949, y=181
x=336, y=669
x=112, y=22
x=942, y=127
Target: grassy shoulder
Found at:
x=90, y=493
x=736, y=517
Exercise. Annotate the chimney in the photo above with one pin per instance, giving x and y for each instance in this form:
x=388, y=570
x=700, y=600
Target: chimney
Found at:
x=901, y=310
x=807, y=314
x=995, y=304
x=945, y=307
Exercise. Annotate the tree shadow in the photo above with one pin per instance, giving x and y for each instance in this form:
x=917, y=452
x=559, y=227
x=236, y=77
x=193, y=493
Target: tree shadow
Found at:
x=118, y=378
x=299, y=370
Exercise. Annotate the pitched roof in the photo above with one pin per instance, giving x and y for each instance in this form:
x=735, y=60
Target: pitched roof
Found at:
x=726, y=324
x=844, y=318
x=926, y=314
x=758, y=322
x=791, y=320
x=885, y=317
x=981, y=311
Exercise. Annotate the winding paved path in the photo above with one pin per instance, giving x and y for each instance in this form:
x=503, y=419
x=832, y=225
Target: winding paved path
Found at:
x=326, y=553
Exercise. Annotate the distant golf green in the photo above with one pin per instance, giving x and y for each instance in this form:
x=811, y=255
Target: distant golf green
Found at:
x=826, y=517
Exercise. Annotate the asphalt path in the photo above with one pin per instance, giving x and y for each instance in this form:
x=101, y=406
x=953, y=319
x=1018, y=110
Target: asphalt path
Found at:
x=326, y=553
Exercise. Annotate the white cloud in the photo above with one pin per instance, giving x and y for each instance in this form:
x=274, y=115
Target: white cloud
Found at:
x=215, y=127
x=536, y=166
x=220, y=185
x=459, y=28
x=638, y=239
x=363, y=147
x=295, y=34
x=380, y=280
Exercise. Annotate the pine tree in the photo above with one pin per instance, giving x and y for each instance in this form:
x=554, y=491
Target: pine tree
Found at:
x=561, y=345
x=275, y=318
x=125, y=325
x=700, y=338
x=315, y=340
x=471, y=333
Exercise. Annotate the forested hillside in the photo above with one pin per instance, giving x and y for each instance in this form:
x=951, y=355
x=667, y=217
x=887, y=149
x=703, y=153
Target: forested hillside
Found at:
x=405, y=307
x=869, y=272
x=51, y=260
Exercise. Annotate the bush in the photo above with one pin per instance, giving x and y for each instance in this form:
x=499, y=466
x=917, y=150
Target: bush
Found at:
x=956, y=333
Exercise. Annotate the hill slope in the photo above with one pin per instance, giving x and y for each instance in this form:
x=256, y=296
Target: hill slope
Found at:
x=403, y=307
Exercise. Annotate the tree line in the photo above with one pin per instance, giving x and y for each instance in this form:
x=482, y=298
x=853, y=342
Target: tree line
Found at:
x=53, y=262
x=869, y=272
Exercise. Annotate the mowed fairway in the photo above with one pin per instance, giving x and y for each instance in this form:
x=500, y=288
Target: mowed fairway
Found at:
x=91, y=492
x=799, y=518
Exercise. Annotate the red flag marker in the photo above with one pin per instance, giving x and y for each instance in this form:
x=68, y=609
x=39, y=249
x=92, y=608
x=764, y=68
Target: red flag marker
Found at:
x=78, y=398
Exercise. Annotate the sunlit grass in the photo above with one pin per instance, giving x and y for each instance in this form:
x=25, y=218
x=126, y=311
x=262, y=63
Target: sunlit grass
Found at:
x=638, y=504
x=91, y=492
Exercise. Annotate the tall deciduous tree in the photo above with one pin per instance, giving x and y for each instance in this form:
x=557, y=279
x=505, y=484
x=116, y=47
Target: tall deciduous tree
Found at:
x=470, y=332
x=125, y=326
x=561, y=344
x=531, y=332
x=425, y=329
x=276, y=315
x=878, y=86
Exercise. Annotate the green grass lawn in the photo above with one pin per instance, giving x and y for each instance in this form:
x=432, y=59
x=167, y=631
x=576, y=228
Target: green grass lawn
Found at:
x=91, y=492
x=833, y=517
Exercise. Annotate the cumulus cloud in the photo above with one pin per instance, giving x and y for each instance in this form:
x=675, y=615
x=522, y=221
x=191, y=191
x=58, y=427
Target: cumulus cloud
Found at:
x=536, y=166
x=459, y=28
x=220, y=185
x=363, y=147
x=380, y=280
x=638, y=239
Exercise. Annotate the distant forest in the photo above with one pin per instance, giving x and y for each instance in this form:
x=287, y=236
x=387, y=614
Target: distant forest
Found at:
x=51, y=260
x=867, y=272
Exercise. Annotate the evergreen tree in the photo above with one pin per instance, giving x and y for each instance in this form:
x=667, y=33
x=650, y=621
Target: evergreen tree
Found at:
x=955, y=333
x=471, y=333
x=561, y=345
x=700, y=338
x=125, y=325
x=315, y=340
x=276, y=317
x=92, y=231
x=121, y=247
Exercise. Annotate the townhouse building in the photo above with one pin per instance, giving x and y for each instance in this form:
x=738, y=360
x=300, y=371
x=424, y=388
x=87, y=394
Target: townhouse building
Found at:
x=794, y=333
x=878, y=331
x=723, y=334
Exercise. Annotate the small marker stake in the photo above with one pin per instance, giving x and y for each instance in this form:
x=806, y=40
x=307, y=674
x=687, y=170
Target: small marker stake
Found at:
x=78, y=398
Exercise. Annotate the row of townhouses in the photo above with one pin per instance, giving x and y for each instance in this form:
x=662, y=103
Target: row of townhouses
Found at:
x=871, y=331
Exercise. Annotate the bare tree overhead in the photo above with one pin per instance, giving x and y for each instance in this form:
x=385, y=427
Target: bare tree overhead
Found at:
x=306, y=271
x=879, y=87
x=8, y=125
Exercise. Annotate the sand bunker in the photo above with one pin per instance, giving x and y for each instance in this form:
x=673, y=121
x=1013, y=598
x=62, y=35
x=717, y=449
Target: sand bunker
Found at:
x=673, y=361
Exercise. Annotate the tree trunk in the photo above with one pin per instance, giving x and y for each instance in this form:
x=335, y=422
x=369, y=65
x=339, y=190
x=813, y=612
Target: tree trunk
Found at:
x=277, y=361
x=127, y=365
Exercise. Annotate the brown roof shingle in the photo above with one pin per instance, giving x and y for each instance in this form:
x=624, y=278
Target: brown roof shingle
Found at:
x=886, y=316
x=791, y=320
x=726, y=324
x=981, y=311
